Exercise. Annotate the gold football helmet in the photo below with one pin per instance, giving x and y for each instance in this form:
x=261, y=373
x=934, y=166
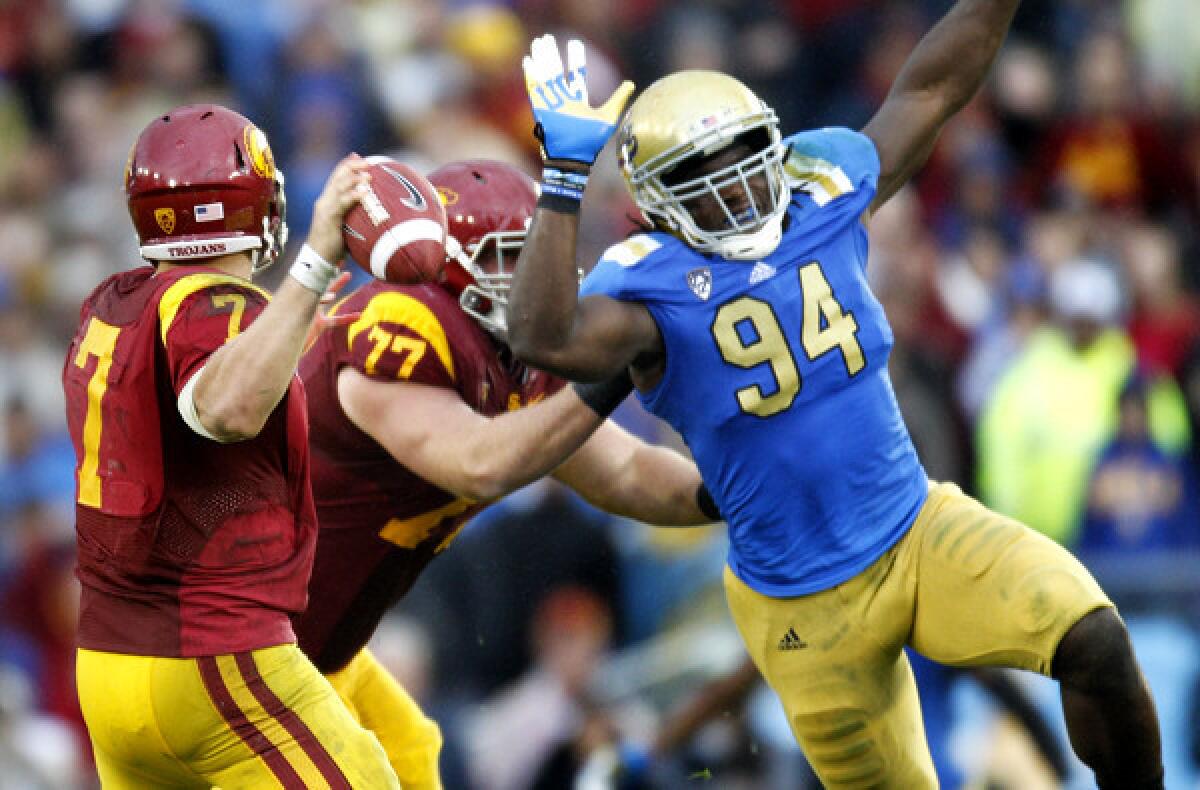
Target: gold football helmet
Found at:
x=694, y=114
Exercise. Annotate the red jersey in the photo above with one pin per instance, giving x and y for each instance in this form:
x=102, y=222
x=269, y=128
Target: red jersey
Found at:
x=380, y=524
x=187, y=546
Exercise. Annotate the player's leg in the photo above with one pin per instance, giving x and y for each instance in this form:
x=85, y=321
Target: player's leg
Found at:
x=122, y=723
x=411, y=739
x=1107, y=704
x=991, y=591
x=835, y=660
x=280, y=725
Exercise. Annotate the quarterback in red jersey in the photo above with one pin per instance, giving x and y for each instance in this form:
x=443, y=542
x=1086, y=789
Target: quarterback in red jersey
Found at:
x=195, y=519
x=419, y=418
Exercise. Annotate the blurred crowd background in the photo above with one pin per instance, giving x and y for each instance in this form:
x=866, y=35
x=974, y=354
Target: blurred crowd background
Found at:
x=1041, y=275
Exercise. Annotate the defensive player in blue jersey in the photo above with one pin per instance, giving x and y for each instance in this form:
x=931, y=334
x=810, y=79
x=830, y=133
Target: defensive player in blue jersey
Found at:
x=746, y=321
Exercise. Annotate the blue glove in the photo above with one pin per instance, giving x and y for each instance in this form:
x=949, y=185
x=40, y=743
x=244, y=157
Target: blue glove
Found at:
x=568, y=127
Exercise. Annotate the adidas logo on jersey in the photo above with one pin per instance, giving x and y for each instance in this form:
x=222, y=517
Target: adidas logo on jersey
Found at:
x=792, y=641
x=761, y=271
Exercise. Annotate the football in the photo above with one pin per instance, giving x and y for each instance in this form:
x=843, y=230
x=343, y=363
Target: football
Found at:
x=397, y=232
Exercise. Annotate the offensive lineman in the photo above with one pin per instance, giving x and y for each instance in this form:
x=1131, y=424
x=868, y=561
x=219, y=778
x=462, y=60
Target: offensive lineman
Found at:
x=419, y=418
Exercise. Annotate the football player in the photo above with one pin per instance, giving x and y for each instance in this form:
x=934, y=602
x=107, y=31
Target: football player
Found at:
x=746, y=316
x=195, y=518
x=420, y=417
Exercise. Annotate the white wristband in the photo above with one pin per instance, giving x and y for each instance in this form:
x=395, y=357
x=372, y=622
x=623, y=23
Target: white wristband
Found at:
x=187, y=407
x=312, y=271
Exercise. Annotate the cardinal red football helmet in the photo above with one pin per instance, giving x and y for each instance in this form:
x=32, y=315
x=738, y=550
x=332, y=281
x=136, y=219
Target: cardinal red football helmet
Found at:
x=489, y=206
x=201, y=182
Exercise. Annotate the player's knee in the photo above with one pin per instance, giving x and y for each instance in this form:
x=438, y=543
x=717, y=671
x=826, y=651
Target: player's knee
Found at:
x=841, y=747
x=433, y=737
x=1096, y=654
x=424, y=738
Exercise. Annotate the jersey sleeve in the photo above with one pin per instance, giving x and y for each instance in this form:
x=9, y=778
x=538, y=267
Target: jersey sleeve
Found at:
x=616, y=274
x=399, y=337
x=200, y=313
x=834, y=165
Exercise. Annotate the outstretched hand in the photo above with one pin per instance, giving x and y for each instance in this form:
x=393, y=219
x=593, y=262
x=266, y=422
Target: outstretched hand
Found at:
x=568, y=127
x=323, y=319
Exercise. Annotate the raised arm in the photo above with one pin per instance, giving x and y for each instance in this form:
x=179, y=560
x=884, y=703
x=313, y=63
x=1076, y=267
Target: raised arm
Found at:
x=244, y=380
x=547, y=324
x=550, y=328
x=938, y=79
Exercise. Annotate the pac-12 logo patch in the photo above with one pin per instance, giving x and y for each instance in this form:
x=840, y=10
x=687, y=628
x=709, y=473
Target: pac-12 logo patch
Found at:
x=700, y=281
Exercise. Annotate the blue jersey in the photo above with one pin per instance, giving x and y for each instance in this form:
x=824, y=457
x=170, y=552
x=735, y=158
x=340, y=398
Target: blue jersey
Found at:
x=776, y=377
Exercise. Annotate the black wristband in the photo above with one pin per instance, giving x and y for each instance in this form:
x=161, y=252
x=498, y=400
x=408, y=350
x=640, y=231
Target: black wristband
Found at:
x=705, y=502
x=604, y=396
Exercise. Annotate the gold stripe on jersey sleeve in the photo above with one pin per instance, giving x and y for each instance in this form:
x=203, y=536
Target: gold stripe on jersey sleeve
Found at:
x=825, y=180
x=172, y=298
x=628, y=252
x=398, y=308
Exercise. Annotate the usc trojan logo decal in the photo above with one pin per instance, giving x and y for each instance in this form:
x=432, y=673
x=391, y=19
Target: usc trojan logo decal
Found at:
x=165, y=217
x=259, y=151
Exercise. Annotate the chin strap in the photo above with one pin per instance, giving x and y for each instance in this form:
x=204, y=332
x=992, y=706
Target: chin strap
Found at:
x=754, y=246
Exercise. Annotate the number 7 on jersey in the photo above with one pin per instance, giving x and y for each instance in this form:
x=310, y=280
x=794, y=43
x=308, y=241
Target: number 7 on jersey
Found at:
x=100, y=342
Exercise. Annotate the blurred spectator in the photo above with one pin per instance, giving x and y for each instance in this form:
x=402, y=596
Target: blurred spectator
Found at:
x=1139, y=497
x=518, y=730
x=1025, y=89
x=174, y=57
x=971, y=284
x=320, y=110
x=1056, y=406
x=1166, y=34
x=904, y=269
x=1190, y=381
x=878, y=44
x=36, y=466
x=490, y=41
x=1166, y=318
x=1105, y=152
x=997, y=345
x=36, y=50
x=41, y=605
x=37, y=751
